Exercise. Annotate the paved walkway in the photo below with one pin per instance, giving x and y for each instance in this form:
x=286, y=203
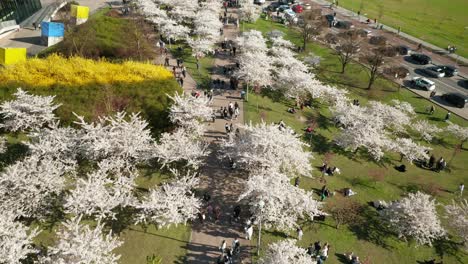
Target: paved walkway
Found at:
x=218, y=179
x=31, y=39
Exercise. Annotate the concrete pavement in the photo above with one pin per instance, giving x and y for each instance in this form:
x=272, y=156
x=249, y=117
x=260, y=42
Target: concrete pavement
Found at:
x=31, y=39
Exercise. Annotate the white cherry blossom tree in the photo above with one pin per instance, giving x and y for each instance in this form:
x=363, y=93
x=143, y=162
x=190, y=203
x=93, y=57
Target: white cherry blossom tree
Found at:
x=415, y=216
x=27, y=111
x=286, y=252
x=263, y=146
x=16, y=239
x=3, y=144
x=115, y=137
x=78, y=243
x=426, y=130
x=252, y=41
x=181, y=145
x=284, y=204
x=104, y=190
x=28, y=186
x=410, y=150
x=186, y=109
x=461, y=133
x=249, y=11
x=172, y=203
x=201, y=46
x=457, y=214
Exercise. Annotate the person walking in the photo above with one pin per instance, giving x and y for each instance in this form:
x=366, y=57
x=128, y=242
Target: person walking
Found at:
x=166, y=61
x=249, y=232
x=184, y=71
x=461, y=187
x=227, y=128
x=236, y=113
x=223, y=246
x=181, y=80
x=447, y=116
x=236, y=246
x=299, y=233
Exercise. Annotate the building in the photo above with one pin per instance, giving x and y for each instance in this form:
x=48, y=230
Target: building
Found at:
x=18, y=10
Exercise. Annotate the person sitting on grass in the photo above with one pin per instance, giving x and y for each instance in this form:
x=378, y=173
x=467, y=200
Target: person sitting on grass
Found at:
x=348, y=192
x=292, y=110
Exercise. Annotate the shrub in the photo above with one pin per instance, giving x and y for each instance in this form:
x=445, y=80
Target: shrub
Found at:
x=378, y=40
x=91, y=88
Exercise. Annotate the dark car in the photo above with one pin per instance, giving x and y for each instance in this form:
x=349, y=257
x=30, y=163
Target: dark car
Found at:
x=434, y=71
x=421, y=58
x=344, y=24
x=403, y=50
x=273, y=6
x=457, y=99
x=449, y=70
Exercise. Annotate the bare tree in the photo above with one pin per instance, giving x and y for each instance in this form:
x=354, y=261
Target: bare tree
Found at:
x=348, y=46
x=374, y=62
x=310, y=27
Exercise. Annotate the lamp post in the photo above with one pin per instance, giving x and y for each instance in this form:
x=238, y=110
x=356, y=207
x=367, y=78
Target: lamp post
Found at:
x=260, y=205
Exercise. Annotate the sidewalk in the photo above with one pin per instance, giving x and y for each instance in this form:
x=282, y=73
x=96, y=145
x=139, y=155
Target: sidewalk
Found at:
x=219, y=180
x=31, y=39
x=434, y=48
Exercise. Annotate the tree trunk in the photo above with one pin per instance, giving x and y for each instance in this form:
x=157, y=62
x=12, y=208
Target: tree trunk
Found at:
x=343, y=67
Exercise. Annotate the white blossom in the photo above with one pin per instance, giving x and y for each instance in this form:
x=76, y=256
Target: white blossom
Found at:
x=60, y=143
x=27, y=111
x=252, y=41
x=255, y=68
x=187, y=108
x=459, y=132
x=403, y=106
x=415, y=216
x=173, y=30
x=115, y=137
x=3, y=144
x=265, y=146
x=201, y=46
x=426, y=130
x=28, y=186
x=103, y=190
x=249, y=11
x=172, y=203
x=181, y=145
x=81, y=244
x=16, y=239
x=392, y=117
x=279, y=41
x=410, y=150
x=284, y=204
x=457, y=214
x=286, y=252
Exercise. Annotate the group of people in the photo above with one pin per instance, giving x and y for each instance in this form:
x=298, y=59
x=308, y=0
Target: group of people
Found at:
x=329, y=170
x=438, y=166
x=227, y=254
x=319, y=252
x=230, y=112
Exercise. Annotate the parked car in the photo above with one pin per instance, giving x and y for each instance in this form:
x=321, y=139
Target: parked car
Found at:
x=434, y=71
x=457, y=99
x=281, y=8
x=297, y=8
x=421, y=58
x=344, y=24
x=423, y=83
x=449, y=70
x=259, y=2
x=273, y=7
x=287, y=2
x=403, y=50
x=290, y=15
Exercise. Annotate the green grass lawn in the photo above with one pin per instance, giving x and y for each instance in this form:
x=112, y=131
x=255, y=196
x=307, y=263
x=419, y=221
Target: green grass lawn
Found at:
x=368, y=239
x=436, y=21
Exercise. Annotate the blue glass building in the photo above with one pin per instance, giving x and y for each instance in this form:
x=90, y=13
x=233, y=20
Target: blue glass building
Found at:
x=18, y=10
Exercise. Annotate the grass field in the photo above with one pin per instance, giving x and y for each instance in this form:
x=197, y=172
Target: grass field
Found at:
x=439, y=22
x=368, y=239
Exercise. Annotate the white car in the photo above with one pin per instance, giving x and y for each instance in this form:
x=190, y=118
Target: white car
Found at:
x=290, y=15
x=423, y=83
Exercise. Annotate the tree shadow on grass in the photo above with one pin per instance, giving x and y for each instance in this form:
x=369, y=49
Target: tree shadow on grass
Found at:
x=125, y=217
x=276, y=233
x=372, y=228
x=445, y=247
x=13, y=153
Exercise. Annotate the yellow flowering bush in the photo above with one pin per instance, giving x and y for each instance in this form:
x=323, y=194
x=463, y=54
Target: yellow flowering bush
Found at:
x=76, y=71
x=94, y=87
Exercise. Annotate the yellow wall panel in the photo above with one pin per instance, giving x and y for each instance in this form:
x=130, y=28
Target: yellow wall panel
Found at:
x=79, y=11
x=10, y=56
